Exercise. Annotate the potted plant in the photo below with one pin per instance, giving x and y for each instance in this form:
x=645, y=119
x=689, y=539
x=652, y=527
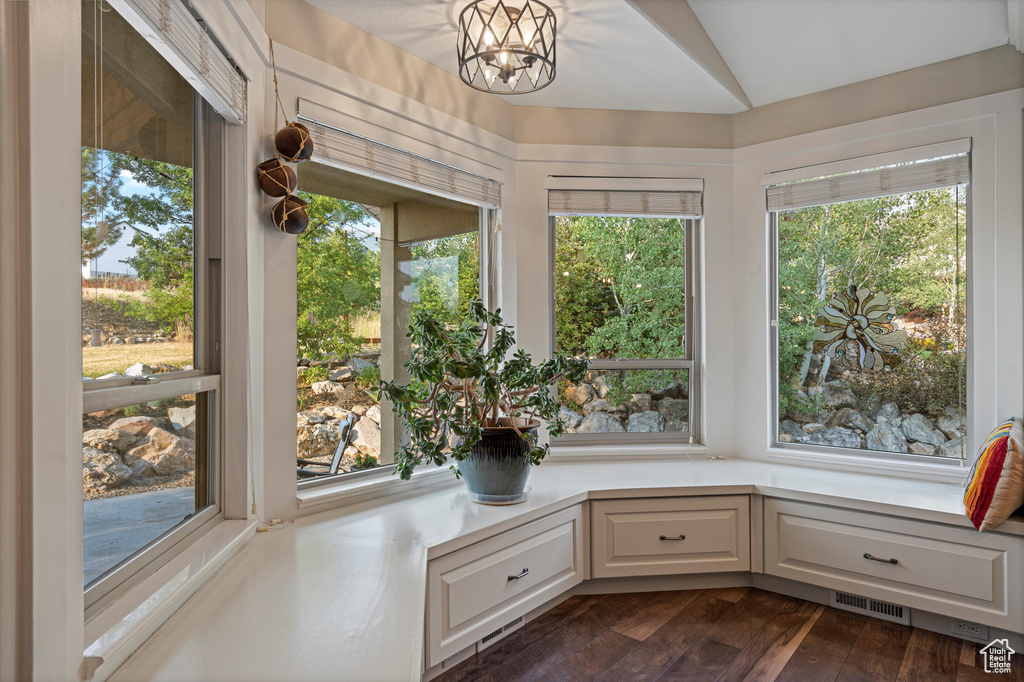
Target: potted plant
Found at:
x=471, y=403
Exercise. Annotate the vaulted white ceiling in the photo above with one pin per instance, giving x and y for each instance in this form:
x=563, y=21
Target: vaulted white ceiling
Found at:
x=657, y=55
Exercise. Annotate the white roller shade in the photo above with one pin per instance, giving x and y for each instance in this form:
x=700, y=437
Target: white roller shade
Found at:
x=362, y=155
x=172, y=30
x=633, y=203
x=883, y=181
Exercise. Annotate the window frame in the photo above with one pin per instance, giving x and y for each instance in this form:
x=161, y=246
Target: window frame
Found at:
x=205, y=378
x=690, y=362
x=825, y=452
x=490, y=220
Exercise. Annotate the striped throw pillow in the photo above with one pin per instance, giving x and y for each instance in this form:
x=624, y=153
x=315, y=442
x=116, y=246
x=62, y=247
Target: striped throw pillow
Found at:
x=995, y=486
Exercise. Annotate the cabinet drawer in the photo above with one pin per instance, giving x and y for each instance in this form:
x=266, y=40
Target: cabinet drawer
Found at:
x=944, y=569
x=659, y=536
x=476, y=590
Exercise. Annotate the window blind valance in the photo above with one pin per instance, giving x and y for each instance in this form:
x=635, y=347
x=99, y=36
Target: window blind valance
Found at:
x=629, y=203
x=362, y=155
x=171, y=29
x=889, y=180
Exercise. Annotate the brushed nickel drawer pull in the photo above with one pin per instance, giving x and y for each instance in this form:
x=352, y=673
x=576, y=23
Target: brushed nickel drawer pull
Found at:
x=884, y=561
x=681, y=537
x=525, y=573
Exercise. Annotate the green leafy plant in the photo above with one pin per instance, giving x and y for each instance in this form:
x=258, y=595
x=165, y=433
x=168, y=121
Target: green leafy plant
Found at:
x=368, y=377
x=459, y=387
x=311, y=375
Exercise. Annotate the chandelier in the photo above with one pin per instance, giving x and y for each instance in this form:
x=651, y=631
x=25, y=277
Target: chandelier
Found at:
x=507, y=50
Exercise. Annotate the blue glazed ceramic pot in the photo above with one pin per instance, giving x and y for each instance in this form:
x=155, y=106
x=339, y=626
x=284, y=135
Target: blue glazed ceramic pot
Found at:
x=499, y=464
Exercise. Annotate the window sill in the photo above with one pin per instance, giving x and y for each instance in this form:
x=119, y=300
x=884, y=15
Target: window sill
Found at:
x=362, y=489
x=849, y=460
x=122, y=628
x=564, y=452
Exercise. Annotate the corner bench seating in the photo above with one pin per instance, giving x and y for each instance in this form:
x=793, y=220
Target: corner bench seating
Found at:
x=344, y=593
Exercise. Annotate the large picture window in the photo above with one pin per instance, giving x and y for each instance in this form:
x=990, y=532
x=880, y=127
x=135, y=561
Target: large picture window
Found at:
x=624, y=297
x=150, y=327
x=871, y=314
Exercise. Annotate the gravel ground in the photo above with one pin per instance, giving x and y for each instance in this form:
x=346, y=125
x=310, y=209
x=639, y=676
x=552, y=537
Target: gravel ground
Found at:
x=156, y=483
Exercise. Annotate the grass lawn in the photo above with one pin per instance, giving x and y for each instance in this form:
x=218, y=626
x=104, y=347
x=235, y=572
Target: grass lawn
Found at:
x=100, y=360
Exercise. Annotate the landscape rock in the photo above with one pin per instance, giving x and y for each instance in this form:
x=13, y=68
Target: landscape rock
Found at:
x=331, y=412
x=674, y=409
x=870, y=406
x=793, y=430
x=310, y=417
x=112, y=375
x=639, y=402
x=109, y=440
x=323, y=387
x=601, y=386
x=373, y=412
x=926, y=449
x=671, y=389
x=646, y=422
x=887, y=438
x=600, y=422
x=366, y=437
x=183, y=420
x=785, y=438
x=837, y=396
x=890, y=412
x=359, y=365
x=102, y=470
x=139, y=426
x=918, y=428
x=139, y=369
x=851, y=418
x=359, y=410
x=803, y=410
x=837, y=437
x=951, y=448
x=581, y=394
x=317, y=439
x=813, y=427
x=142, y=469
x=602, y=406
x=343, y=374
x=570, y=420
x=951, y=423
x=170, y=454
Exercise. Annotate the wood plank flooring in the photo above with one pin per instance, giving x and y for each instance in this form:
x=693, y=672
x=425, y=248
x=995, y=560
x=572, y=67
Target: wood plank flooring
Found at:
x=724, y=635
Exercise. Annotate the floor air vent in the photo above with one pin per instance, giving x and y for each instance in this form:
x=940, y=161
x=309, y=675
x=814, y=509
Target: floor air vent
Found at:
x=490, y=638
x=882, y=610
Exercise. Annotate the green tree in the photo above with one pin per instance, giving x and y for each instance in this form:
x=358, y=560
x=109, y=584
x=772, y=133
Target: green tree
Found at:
x=338, y=276
x=101, y=183
x=446, y=276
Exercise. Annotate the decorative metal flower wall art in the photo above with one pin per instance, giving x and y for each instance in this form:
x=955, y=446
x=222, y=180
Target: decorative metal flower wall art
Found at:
x=858, y=323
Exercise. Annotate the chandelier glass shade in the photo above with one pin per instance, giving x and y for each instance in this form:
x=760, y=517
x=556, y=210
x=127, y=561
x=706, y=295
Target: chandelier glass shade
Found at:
x=507, y=50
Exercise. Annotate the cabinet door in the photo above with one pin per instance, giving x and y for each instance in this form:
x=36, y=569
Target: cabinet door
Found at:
x=670, y=536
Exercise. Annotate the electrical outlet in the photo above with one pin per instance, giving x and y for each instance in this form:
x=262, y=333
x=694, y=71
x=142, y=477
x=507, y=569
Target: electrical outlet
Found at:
x=966, y=628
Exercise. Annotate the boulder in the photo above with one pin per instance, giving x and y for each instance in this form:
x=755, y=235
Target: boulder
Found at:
x=330, y=412
x=870, y=406
x=952, y=448
x=951, y=423
x=317, y=439
x=602, y=406
x=325, y=387
x=343, y=374
x=600, y=422
x=674, y=409
x=639, y=402
x=917, y=427
x=669, y=389
x=851, y=418
x=358, y=364
x=793, y=430
x=926, y=449
x=373, y=412
x=890, y=412
x=139, y=369
x=646, y=422
x=102, y=470
x=142, y=469
x=803, y=410
x=581, y=394
x=359, y=410
x=785, y=438
x=887, y=438
x=813, y=427
x=183, y=420
x=310, y=417
x=170, y=454
x=837, y=437
x=837, y=396
x=109, y=440
x=139, y=426
x=601, y=386
x=570, y=420
x=112, y=375
x=366, y=437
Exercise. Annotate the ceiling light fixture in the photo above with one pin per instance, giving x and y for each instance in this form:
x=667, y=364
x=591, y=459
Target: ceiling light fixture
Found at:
x=499, y=44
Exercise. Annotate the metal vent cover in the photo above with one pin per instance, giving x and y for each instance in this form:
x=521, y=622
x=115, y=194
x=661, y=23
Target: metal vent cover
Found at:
x=875, y=608
x=491, y=637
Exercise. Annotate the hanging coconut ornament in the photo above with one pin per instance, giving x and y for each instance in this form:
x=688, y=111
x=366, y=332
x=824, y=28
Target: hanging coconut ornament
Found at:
x=276, y=178
x=293, y=142
x=290, y=215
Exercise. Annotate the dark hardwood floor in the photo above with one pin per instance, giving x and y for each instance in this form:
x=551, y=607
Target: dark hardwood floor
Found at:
x=723, y=635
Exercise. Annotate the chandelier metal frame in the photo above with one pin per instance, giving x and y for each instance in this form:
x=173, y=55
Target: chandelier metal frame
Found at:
x=499, y=45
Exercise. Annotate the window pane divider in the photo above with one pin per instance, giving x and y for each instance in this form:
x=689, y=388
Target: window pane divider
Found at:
x=96, y=400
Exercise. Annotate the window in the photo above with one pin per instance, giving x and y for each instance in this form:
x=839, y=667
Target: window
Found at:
x=373, y=256
x=150, y=337
x=870, y=324
x=625, y=292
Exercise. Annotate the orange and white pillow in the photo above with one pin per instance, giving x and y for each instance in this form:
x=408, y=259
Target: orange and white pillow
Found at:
x=995, y=486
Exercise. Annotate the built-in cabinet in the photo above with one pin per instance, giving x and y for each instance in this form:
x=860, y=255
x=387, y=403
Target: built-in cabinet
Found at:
x=477, y=593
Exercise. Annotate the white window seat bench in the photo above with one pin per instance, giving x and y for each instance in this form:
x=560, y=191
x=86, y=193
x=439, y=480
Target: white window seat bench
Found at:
x=343, y=594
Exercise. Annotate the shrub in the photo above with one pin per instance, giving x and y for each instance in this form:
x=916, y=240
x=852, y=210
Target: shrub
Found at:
x=368, y=377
